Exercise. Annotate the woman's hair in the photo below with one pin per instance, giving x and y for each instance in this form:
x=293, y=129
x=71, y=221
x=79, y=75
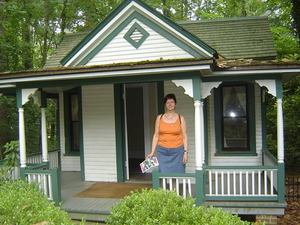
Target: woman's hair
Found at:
x=170, y=96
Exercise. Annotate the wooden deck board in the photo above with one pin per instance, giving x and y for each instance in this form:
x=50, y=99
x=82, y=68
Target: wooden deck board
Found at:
x=71, y=184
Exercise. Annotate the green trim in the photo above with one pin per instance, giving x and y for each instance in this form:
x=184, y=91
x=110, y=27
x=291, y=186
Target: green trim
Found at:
x=160, y=97
x=110, y=80
x=155, y=179
x=250, y=101
x=138, y=43
x=234, y=78
x=281, y=183
x=136, y=15
x=200, y=187
x=248, y=206
x=263, y=117
x=43, y=99
x=81, y=144
x=196, y=88
x=119, y=128
x=270, y=155
x=205, y=132
x=19, y=97
x=235, y=153
x=279, y=88
x=76, y=90
x=241, y=198
x=122, y=6
x=56, y=184
x=240, y=167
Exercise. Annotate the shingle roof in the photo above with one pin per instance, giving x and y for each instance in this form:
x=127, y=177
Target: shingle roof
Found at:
x=243, y=37
x=68, y=43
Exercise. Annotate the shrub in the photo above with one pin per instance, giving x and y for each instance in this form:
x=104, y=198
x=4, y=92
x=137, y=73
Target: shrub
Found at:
x=165, y=207
x=23, y=203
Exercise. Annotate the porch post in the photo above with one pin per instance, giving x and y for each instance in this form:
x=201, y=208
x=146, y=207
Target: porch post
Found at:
x=280, y=129
x=22, y=142
x=199, y=141
x=44, y=135
x=198, y=135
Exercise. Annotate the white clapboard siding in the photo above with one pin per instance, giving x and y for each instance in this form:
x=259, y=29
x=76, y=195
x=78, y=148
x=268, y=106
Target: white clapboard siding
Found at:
x=155, y=47
x=99, y=133
x=185, y=107
x=68, y=163
x=236, y=160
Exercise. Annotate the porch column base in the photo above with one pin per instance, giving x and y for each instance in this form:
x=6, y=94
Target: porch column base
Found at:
x=268, y=219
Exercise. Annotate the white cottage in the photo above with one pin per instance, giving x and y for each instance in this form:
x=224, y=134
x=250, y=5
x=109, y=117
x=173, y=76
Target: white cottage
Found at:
x=110, y=85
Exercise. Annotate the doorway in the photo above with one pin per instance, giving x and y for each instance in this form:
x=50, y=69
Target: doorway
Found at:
x=137, y=130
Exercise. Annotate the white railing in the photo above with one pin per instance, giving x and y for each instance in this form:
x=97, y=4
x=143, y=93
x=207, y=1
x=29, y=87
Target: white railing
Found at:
x=37, y=159
x=44, y=182
x=242, y=182
x=182, y=185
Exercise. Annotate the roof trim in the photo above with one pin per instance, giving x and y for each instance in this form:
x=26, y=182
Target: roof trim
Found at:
x=122, y=9
x=109, y=73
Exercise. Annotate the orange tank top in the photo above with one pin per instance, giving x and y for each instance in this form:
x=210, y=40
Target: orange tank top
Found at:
x=170, y=135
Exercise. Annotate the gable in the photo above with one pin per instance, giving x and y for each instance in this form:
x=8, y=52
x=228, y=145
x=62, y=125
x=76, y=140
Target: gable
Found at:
x=110, y=37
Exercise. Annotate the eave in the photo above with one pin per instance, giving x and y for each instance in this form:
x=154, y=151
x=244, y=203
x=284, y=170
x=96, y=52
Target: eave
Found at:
x=287, y=69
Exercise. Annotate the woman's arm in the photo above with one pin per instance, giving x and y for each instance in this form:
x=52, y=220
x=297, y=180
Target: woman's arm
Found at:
x=155, y=137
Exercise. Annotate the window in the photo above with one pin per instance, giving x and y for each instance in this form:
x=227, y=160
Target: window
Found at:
x=72, y=121
x=235, y=119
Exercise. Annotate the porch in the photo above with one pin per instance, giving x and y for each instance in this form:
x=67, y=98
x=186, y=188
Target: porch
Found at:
x=93, y=209
x=241, y=190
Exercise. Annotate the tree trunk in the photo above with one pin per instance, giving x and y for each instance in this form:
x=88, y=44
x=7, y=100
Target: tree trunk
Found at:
x=296, y=16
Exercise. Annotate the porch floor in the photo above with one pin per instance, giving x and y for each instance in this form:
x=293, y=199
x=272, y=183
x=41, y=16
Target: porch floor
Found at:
x=96, y=209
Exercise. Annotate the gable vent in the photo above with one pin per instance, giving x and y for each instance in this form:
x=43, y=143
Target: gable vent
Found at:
x=136, y=35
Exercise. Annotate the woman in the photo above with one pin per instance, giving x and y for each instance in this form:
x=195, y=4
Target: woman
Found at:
x=170, y=139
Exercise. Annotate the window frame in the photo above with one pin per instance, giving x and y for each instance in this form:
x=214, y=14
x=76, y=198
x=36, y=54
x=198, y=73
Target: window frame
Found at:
x=250, y=115
x=67, y=118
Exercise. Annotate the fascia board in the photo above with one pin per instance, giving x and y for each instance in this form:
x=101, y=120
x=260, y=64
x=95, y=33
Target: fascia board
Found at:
x=243, y=72
x=90, y=75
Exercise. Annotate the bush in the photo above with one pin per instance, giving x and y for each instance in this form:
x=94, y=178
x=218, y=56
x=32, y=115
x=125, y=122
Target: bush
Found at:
x=165, y=207
x=22, y=203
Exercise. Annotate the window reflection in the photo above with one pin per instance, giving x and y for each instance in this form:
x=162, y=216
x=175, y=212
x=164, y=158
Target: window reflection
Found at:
x=235, y=126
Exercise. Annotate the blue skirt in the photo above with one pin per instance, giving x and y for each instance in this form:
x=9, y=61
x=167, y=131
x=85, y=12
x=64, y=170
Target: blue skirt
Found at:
x=170, y=160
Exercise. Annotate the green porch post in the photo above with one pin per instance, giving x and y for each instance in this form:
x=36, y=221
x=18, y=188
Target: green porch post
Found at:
x=199, y=188
x=199, y=139
x=281, y=183
x=56, y=185
x=155, y=179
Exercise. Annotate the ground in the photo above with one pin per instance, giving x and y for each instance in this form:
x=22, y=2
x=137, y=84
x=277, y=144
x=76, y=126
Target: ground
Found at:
x=292, y=211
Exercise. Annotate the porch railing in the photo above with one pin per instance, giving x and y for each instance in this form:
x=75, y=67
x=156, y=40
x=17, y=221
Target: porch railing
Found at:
x=224, y=183
x=182, y=183
x=33, y=160
x=241, y=183
x=47, y=180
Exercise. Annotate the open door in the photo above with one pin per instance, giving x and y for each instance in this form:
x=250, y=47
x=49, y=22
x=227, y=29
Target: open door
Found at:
x=137, y=128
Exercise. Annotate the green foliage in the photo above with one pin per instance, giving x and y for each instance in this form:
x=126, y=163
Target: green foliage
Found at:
x=8, y=122
x=22, y=203
x=165, y=207
x=291, y=106
x=10, y=161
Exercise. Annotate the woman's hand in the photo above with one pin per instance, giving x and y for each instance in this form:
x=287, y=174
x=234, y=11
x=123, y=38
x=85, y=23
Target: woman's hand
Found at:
x=149, y=156
x=185, y=158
